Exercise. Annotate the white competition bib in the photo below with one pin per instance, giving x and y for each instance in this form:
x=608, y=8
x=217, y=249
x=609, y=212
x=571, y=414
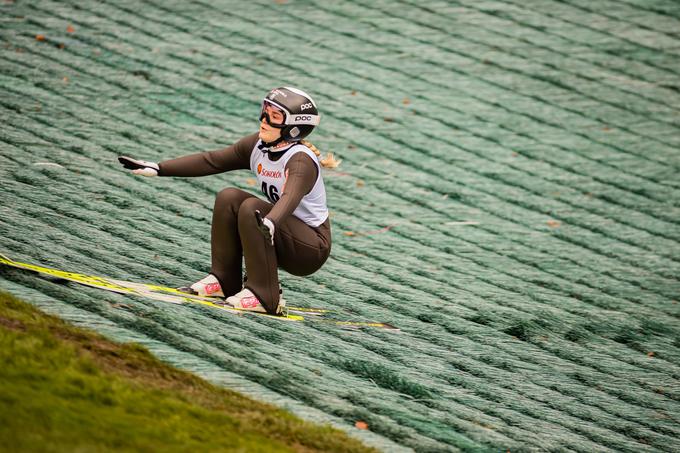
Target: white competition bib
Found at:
x=271, y=177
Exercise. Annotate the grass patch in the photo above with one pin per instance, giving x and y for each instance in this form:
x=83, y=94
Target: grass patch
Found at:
x=67, y=389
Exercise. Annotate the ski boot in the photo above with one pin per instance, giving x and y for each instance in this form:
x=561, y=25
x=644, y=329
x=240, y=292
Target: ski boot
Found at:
x=208, y=286
x=246, y=300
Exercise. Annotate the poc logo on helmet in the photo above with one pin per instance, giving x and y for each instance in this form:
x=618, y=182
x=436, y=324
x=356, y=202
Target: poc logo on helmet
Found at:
x=304, y=107
x=303, y=118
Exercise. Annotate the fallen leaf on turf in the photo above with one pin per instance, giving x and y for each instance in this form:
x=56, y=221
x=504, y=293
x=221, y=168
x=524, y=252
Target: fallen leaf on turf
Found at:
x=40, y=37
x=553, y=223
x=70, y=29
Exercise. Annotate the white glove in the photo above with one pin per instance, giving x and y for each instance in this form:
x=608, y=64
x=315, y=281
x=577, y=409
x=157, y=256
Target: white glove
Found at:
x=266, y=226
x=139, y=167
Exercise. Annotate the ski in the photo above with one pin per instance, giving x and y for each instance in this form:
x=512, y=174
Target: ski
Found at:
x=126, y=287
x=172, y=295
x=144, y=287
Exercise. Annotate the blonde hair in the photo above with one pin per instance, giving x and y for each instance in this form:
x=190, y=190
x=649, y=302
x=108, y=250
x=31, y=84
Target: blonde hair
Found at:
x=327, y=162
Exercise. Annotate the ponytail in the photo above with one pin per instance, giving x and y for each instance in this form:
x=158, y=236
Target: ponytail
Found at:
x=327, y=162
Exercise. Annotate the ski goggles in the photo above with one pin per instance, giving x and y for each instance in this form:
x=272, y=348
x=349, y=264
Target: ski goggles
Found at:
x=267, y=108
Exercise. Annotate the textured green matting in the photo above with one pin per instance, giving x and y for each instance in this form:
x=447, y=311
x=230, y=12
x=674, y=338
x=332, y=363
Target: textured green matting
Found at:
x=509, y=196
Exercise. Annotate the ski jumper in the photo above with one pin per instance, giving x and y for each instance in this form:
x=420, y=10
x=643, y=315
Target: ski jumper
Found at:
x=291, y=180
